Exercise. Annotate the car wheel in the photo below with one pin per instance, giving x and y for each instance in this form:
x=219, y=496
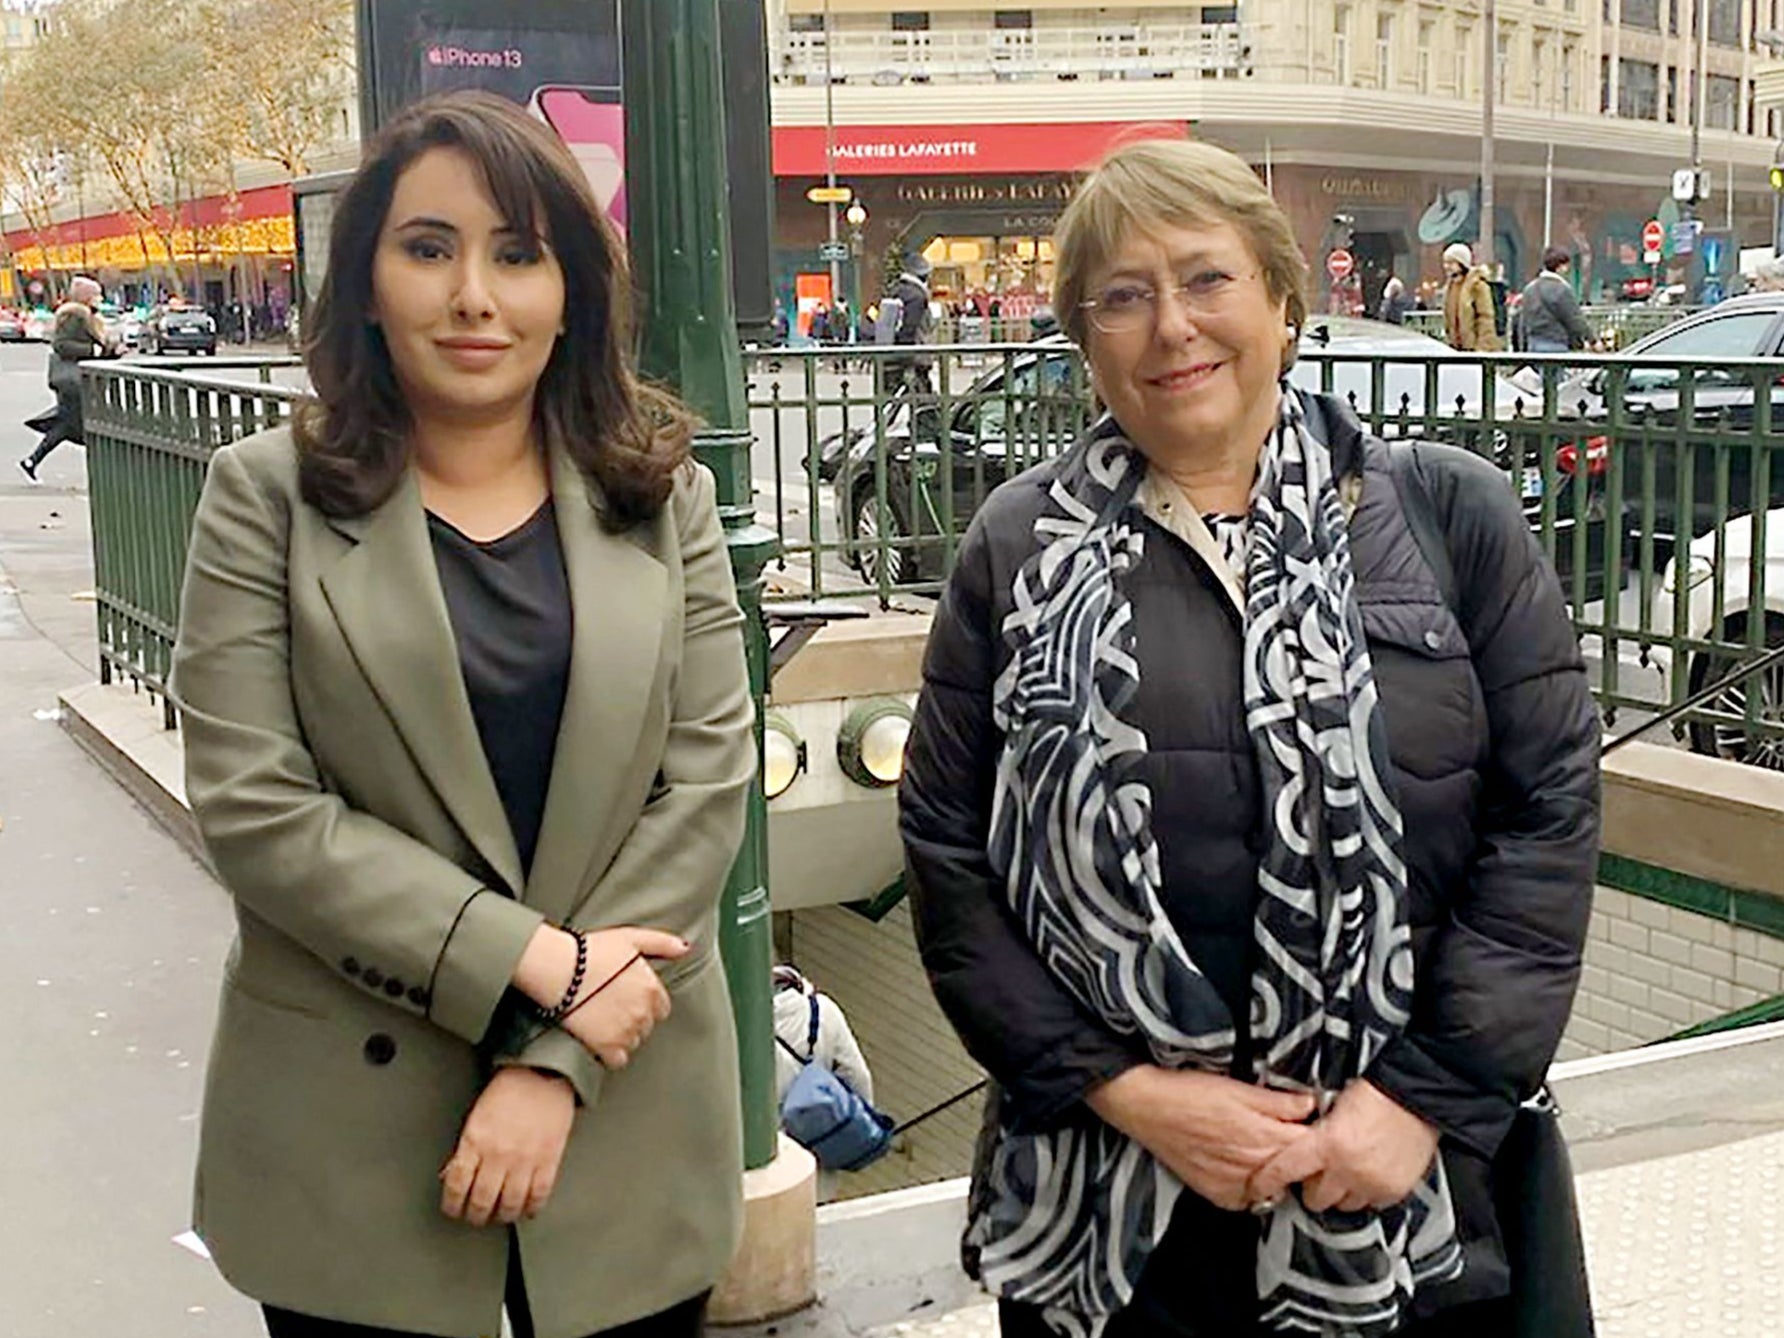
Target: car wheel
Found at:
x=1717, y=739
x=873, y=529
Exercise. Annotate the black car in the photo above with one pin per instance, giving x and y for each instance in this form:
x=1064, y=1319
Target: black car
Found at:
x=1037, y=403
x=1031, y=406
x=1649, y=434
x=179, y=329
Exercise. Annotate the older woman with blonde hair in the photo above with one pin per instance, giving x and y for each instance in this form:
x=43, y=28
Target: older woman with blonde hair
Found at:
x=1251, y=825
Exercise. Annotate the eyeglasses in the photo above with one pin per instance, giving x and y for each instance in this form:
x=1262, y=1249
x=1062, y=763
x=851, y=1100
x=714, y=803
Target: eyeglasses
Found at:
x=1126, y=306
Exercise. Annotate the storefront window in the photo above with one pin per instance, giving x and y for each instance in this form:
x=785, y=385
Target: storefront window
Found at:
x=970, y=273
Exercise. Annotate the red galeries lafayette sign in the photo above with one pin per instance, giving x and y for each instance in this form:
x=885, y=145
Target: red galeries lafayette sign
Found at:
x=900, y=150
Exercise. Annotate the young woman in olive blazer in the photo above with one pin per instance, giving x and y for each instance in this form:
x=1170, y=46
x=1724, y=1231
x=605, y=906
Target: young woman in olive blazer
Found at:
x=393, y=1136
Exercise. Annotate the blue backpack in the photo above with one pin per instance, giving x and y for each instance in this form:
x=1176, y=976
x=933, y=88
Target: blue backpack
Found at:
x=823, y=1114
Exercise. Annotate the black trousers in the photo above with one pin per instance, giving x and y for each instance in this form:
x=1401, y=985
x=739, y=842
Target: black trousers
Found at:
x=67, y=427
x=686, y=1319
x=1482, y=1319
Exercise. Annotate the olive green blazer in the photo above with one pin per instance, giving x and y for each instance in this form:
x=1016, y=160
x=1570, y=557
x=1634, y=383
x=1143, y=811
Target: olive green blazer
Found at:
x=337, y=778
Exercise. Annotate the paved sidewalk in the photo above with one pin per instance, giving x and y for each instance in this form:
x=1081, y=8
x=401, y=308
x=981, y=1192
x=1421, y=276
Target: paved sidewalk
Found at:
x=111, y=942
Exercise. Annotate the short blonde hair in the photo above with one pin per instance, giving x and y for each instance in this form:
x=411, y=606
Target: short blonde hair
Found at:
x=1161, y=183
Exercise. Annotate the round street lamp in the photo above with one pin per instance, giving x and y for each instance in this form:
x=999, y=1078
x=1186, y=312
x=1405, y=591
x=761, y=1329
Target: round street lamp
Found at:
x=856, y=215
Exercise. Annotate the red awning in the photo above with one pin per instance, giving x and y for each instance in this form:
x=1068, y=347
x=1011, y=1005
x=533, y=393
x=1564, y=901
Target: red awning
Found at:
x=903, y=150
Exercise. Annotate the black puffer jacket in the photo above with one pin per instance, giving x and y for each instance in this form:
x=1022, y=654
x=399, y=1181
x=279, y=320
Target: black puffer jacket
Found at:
x=1495, y=759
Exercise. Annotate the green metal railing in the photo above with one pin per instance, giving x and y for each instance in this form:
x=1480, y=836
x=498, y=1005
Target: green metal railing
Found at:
x=150, y=432
x=870, y=485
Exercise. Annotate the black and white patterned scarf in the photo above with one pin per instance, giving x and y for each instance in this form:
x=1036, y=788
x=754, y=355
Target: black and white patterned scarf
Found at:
x=1066, y=1219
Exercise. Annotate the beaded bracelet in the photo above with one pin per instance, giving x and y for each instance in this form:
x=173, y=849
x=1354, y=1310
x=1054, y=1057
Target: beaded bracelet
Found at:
x=631, y=961
x=576, y=978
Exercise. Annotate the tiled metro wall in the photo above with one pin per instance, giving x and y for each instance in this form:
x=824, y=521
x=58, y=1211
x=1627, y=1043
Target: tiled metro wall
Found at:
x=1654, y=969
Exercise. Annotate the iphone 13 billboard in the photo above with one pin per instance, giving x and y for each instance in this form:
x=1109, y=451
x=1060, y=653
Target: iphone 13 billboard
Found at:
x=560, y=59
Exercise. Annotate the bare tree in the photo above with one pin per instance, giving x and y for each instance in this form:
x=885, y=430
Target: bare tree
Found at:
x=159, y=151
x=287, y=74
x=33, y=166
x=191, y=87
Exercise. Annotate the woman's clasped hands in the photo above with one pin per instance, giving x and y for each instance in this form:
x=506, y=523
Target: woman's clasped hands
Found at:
x=512, y=1144
x=1367, y=1151
x=1241, y=1146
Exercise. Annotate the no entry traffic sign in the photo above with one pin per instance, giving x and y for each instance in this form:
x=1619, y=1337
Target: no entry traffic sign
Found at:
x=1653, y=238
x=1340, y=263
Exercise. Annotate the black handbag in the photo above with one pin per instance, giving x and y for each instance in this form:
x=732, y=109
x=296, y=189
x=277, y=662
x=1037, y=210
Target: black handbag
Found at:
x=1539, y=1221
x=44, y=421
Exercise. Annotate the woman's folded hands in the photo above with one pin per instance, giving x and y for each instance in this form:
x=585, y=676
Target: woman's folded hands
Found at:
x=511, y=1147
x=1368, y=1151
x=1214, y=1133
x=1241, y=1146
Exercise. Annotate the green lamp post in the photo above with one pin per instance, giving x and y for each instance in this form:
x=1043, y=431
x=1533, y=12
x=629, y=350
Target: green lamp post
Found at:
x=680, y=241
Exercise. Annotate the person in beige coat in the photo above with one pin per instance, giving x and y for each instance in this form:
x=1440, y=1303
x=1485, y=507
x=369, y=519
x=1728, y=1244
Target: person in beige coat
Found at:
x=1467, y=302
x=468, y=739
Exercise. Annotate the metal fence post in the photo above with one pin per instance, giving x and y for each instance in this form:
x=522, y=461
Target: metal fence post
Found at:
x=680, y=237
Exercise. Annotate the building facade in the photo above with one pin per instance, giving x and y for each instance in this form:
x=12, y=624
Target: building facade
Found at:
x=959, y=129
x=1364, y=115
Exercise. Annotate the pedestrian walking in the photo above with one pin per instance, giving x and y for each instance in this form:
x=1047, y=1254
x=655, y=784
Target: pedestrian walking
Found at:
x=1395, y=301
x=1468, y=315
x=1548, y=316
x=468, y=738
x=77, y=334
x=1250, y=815
x=906, y=318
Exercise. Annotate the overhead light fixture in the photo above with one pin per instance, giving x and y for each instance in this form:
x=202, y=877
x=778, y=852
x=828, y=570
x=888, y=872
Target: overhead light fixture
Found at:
x=783, y=755
x=870, y=745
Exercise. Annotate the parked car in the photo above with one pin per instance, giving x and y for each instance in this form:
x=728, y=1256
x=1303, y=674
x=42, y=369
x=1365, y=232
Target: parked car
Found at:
x=122, y=325
x=12, y=327
x=38, y=323
x=1702, y=578
x=182, y=329
x=1742, y=327
x=1036, y=405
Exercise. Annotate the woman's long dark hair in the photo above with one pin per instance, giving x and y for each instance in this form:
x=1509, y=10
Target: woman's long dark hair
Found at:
x=353, y=438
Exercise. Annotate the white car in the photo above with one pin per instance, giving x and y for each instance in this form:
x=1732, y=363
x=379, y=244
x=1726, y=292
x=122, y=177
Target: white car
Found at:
x=126, y=328
x=1733, y=624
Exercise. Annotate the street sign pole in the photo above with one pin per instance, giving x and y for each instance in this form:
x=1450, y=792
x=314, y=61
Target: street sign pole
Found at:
x=830, y=158
x=1484, y=246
